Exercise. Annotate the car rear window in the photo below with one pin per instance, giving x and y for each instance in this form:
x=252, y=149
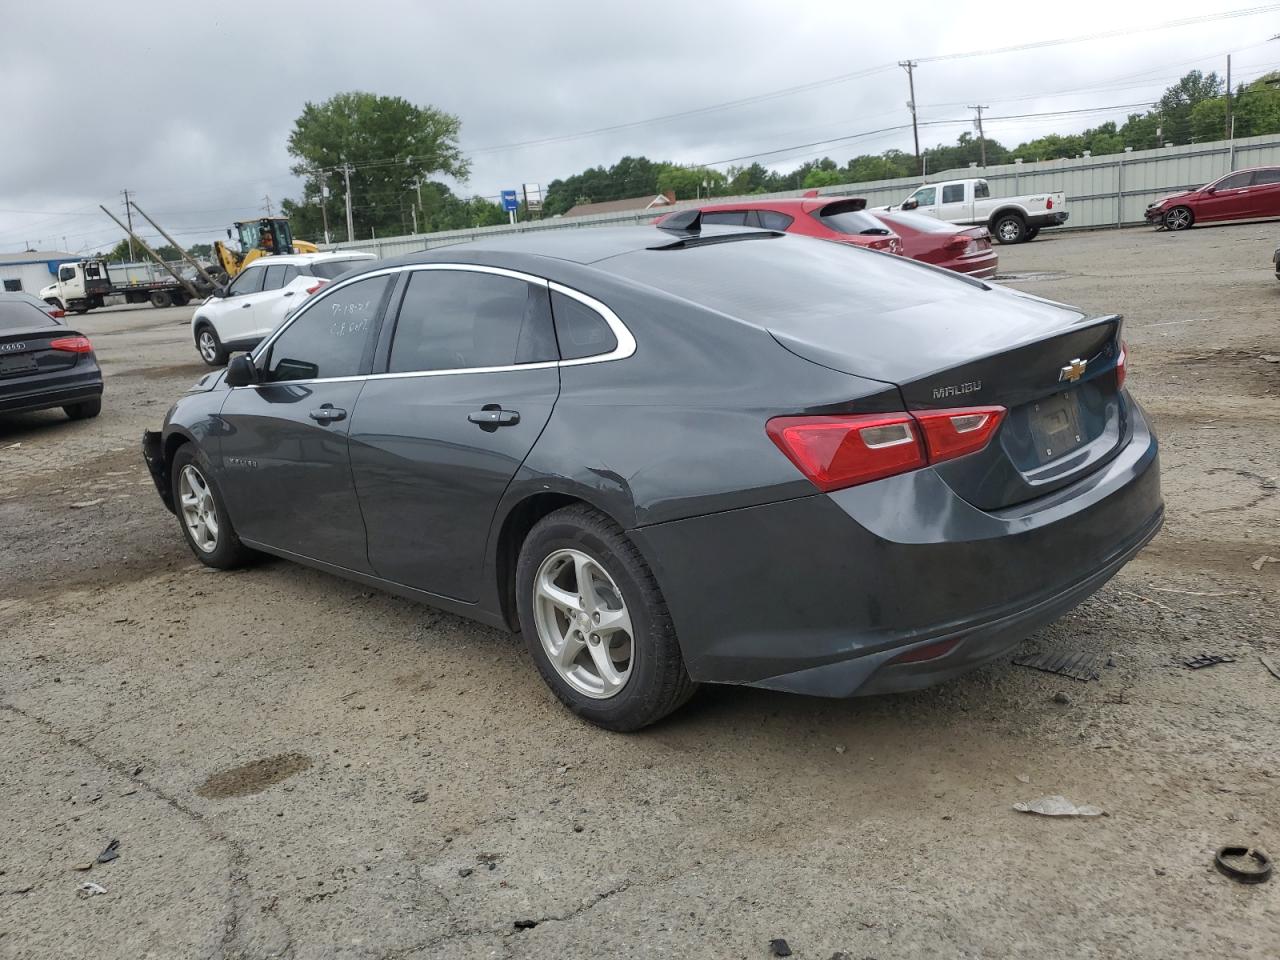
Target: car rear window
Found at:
x=854, y=223
x=332, y=269
x=15, y=314
x=920, y=222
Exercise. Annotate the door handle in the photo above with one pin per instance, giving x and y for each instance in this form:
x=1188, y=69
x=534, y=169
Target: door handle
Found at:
x=493, y=418
x=288, y=293
x=245, y=306
x=327, y=414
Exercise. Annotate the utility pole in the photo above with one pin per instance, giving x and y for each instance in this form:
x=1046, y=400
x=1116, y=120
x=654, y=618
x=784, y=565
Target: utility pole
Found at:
x=195, y=294
x=982, y=140
x=346, y=176
x=1228, y=96
x=414, y=211
x=909, y=66
x=174, y=243
x=128, y=212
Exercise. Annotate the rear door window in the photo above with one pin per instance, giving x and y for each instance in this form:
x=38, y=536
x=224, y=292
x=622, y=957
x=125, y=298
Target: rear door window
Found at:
x=981, y=191
x=464, y=320
x=953, y=193
x=1266, y=177
x=275, y=278
x=333, y=337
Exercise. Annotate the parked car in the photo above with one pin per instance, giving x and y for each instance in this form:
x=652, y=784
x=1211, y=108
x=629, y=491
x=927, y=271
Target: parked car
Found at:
x=52, y=310
x=685, y=455
x=1242, y=195
x=43, y=364
x=260, y=296
x=1010, y=219
x=844, y=220
x=962, y=249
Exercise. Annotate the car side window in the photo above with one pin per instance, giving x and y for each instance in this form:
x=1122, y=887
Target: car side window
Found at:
x=733, y=218
x=926, y=196
x=464, y=320
x=275, y=277
x=580, y=330
x=1266, y=177
x=248, y=281
x=772, y=220
x=333, y=337
x=981, y=191
x=66, y=273
x=291, y=273
x=953, y=193
x=1235, y=182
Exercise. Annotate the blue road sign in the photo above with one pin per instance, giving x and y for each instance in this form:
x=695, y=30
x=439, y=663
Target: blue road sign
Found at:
x=510, y=201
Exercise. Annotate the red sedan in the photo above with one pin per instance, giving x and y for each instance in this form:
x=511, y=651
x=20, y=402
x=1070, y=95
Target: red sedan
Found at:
x=963, y=249
x=843, y=220
x=1243, y=195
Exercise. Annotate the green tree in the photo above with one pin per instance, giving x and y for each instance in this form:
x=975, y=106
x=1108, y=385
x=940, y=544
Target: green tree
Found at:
x=691, y=181
x=818, y=177
x=201, y=250
x=1178, y=102
x=391, y=144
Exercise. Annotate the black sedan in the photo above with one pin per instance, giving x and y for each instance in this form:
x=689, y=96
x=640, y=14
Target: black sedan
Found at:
x=44, y=364
x=682, y=455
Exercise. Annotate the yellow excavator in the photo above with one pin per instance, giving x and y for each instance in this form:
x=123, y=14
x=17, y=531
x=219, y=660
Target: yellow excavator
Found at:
x=258, y=238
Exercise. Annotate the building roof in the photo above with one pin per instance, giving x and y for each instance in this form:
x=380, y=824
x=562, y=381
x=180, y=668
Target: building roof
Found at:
x=620, y=206
x=36, y=256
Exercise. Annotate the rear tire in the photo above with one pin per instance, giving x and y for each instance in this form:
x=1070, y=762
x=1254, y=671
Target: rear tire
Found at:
x=161, y=298
x=1032, y=233
x=210, y=347
x=1009, y=228
x=646, y=651
x=202, y=512
x=84, y=410
x=1179, y=218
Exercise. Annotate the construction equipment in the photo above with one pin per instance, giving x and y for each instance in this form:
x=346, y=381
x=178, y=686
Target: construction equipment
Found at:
x=258, y=238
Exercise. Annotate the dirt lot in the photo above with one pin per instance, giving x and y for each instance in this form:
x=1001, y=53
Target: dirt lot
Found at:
x=297, y=767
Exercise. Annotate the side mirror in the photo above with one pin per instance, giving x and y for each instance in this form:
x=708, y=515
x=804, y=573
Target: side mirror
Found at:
x=241, y=372
x=220, y=292
x=910, y=204
x=1210, y=190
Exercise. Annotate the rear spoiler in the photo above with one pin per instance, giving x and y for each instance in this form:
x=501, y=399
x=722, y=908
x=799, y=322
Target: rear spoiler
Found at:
x=844, y=205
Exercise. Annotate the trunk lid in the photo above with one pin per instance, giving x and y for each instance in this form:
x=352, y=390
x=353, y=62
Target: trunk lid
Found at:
x=25, y=351
x=1053, y=368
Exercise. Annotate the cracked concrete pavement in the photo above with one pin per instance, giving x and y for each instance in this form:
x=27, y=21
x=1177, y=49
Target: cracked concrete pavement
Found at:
x=296, y=766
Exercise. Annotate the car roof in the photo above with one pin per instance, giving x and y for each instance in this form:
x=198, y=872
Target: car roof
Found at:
x=791, y=205
x=287, y=258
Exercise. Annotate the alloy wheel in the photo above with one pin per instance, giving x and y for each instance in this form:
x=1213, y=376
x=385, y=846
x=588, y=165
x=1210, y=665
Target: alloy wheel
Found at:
x=207, y=346
x=1178, y=219
x=583, y=624
x=199, y=513
x=1009, y=230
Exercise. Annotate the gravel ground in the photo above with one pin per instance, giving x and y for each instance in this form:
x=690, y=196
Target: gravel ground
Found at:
x=295, y=766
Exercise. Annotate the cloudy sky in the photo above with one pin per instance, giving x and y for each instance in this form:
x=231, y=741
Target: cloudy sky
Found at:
x=189, y=105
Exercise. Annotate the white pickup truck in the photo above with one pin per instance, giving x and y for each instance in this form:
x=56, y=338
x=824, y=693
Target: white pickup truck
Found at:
x=1010, y=219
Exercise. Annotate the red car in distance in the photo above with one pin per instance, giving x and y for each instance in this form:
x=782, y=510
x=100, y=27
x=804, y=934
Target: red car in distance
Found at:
x=956, y=247
x=1242, y=195
x=843, y=220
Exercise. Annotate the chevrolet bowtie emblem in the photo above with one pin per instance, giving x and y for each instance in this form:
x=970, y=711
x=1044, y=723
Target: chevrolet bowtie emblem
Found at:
x=1073, y=371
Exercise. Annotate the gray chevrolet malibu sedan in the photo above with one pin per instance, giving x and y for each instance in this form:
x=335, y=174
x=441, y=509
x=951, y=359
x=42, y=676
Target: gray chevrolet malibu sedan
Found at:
x=682, y=455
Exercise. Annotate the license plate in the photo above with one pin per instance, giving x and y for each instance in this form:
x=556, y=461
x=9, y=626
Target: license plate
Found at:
x=14, y=365
x=1055, y=425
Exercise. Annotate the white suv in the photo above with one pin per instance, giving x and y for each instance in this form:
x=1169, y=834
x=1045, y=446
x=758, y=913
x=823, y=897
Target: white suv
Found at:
x=260, y=297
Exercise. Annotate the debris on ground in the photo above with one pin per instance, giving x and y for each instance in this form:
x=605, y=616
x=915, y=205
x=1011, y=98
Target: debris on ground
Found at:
x=1244, y=864
x=490, y=860
x=1058, y=806
x=86, y=503
x=465, y=871
x=137, y=770
x=779, y=948
x=1077, y=666
x=111, y=852
x=1272, y=666
x=1206, y=660
x=1257, y=564
x=1023, y=778
x=1270, y=358
x=417, y=796
x=1061, y=698
x=525, y=924
x=82, y=866
x=841, y=748
x=89, y=889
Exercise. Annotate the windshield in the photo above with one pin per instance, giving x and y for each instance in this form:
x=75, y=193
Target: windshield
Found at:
x=855, y=223
x=332, y=269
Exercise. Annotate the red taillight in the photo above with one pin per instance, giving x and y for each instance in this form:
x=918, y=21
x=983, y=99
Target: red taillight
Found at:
x=57, y=314
x=71, y=344
x=881, y=243
x=319, y=284
x=1048, y=204
x=1122, y=365
x=842, y=451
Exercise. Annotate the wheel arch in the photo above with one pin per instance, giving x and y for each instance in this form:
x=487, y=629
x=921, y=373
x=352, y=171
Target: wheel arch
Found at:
x=520, y=516
x=1004, y=211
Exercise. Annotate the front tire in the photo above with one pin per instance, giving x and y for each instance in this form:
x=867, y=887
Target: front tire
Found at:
x=202, y=513
x=596, y=624
x=84, y=410
x=210, y=347
x=1179, y=218
x=1010, y=228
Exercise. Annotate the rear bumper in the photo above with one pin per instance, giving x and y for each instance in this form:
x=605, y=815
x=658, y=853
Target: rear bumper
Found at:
x=1054, y=219
x=817, y=595
x=32, y=393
